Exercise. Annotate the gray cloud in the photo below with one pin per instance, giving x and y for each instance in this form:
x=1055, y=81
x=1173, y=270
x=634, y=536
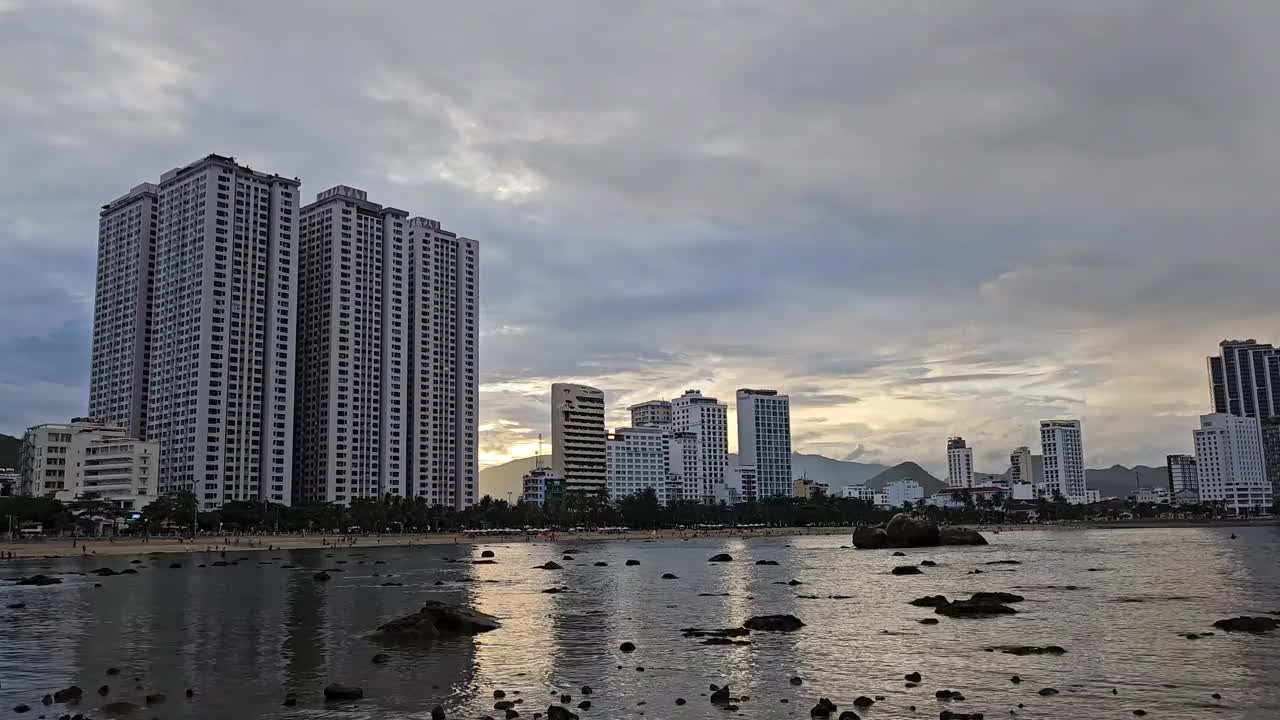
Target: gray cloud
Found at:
x=965, y=218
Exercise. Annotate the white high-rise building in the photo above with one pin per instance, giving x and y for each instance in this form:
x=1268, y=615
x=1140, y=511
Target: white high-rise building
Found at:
x=764, y=440
x=86, y=458
x=651, y=413
x=578, y=437
x=352, y=381
x=703, y=466
x=220, y=385
x=959, y=463
x=443, y=390
x=1229, y=463
x=122, y=309
x=1062, y=446
x=684, y=463
x=638, y=459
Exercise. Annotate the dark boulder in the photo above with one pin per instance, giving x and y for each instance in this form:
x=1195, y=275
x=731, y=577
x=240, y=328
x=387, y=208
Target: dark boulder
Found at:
x=907, y=570
x=914, y=677
x=1022, y=650
x=68, y=694
x=728, y=632
x=849, y=715
x=632, y=562
x=601, y=564
x=823, y=709
x=1248, y=624
x=766, y=562
x=337, y=691
x=156, y=698
x=550, y=565
x=627, y=647
x=961, y=536
x=722, y=557
x=322, y=576
x=16, y=606
x=290, y=700
x=998, y=597
x=974, y=608
x=104, y=690
x=928, y=621
x=928, y=563
x=484, y=562
x=121, y=707
x=863, y=702
x=437, y=713
x=774, y=623
x=905, y=531
x=1010, y=562
x=380, y=659
x=899, y=553
x=720, y=696
x=870, y=538
x=556, y=712
x=175, y=566
x=670, y=576
x=485, y=554
x=930, y=601
x=103, y=572
x=39, y=580
x=437, y=618
x=1048, y=692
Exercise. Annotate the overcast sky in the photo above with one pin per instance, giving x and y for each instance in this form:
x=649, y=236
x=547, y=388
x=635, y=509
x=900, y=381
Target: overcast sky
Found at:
x=918, y=218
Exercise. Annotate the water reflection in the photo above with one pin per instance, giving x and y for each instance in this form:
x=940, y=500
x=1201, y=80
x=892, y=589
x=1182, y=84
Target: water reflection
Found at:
x=244, y=635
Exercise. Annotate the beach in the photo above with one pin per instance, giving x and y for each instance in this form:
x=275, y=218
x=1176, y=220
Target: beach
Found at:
x=109, y=547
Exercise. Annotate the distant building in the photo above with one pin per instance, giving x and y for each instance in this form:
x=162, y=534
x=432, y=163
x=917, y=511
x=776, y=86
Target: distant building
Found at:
x=1182, y=473
x=1229, y=463
x=764, y=439
x=954, y=497
x=639, y=459
x=88, y=459
x=578, y=437
x=684, y=465
x=809, y=489
x=859, y=492
x=705, y=459
x=959, y=463
x=1062, y=446
x=651, y=413
x=741, y=483
x=902, y=491
x=1271, y=456
x=1023, y=491
x=10, y=480
x=543, y=487
x=1244, y=379
x=1025, y=467
x=1152, y=495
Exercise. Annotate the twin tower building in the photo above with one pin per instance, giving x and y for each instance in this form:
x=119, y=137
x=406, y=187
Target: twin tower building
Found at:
x=287, y=352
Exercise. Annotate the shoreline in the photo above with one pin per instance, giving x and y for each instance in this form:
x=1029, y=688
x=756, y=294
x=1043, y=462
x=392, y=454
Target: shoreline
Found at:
x=93, y=547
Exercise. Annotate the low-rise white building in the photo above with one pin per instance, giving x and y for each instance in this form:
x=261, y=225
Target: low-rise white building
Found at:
x=859, y=492
x=10, y=480
x=900, y=492
x=88, y=459
x=543, y=485
x=1152, y=495
x=638, y=459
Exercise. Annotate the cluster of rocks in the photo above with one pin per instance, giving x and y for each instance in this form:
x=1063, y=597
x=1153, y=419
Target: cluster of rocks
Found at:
x=980, y=604
x=904, y=531
x=435, y=619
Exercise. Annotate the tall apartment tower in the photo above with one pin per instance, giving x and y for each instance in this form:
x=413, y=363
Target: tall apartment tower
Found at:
x=1183, y=475
x=1062, y=446
x=959, y=463
x=220, y=387
x=651, y=413
x=443, y=311
x=122, y=310
x=1230, y=464
x=764, y=440
x=578, y=438
x=352, y=384
x=703, y=464
x=1024, y=467
x=1244, y=379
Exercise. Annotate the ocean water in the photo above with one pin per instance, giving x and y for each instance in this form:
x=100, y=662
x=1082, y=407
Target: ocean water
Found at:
x=243, y=636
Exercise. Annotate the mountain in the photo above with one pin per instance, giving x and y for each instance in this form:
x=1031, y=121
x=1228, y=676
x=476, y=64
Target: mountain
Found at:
x=499, y=480
x=1119, y=481
x=9, y=447
x=904, y=471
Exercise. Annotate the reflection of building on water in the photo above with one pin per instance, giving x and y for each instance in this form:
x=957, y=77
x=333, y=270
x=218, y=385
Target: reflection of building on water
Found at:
x=241, y=636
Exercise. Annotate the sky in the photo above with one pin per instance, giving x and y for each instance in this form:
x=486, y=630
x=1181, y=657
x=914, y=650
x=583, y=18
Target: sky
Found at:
x=919, y=219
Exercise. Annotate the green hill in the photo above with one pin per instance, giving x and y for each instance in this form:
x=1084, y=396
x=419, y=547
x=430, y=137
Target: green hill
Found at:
x=9, y=447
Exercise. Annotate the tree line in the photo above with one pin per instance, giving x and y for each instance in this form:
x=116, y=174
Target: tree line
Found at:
x=177, y=513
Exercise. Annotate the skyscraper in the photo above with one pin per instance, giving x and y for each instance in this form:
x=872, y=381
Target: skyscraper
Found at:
x=764, y=440
x=704, y=460
x=122, y=310
x=959, y=463
x=1230, y=465
x=1062, y=446
x=1244, y=379
x=220, y=382
x=651, y=413
x=443, y=312
x=352, y=381
x=578, y=437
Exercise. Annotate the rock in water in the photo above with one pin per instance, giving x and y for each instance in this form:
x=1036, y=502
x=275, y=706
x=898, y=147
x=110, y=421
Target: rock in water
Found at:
x=68, y=694
x=722, y=557
x=907, y=570
x=381, y=658
x=632, y=562
x=766, y=562
x=627, y=647
x=823, y=709
x=906, y=531
x=998, y=597
x=437, y=618
x=601, y=564
x=322, y=576
x=485, y=554
x=962, y=536
x=121, y=707
x=39, y=580
x=721, y=696
x=1248, y=624
x=337, y=691
x=849, y=715
x=155, y=698
x=437, y=713
x=550, y=565
x=974, y=608
x=932, y=601
x=555, y=712
x=869, y=538
x=1022, y=650
x=774, y=623
x=669, y=576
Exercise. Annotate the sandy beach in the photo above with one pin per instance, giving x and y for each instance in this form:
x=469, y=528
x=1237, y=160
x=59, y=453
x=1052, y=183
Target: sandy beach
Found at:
x=66, y=547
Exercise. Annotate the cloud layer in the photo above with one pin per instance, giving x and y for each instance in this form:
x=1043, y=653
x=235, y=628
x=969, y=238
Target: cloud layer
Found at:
x=921, y=220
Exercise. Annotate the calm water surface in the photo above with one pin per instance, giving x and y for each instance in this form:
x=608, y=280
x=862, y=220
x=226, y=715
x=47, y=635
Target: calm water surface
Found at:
x=243, y=636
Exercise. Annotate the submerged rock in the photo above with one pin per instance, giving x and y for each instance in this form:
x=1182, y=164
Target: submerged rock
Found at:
x=670, y=576
x=774, y=623
x=930, y=601
x=1021, y=650
x=907, y=570
x=337, y=691
x=721, y=557
x=632, y=562
x=974, y=608
x=39, y=580
x=1248, y=624
x=121, y=707
x=550, y=565
x=766, y=562
x=437, y=618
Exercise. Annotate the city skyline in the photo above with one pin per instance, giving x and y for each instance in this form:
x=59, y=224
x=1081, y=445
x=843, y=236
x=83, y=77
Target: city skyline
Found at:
x=929, y=273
